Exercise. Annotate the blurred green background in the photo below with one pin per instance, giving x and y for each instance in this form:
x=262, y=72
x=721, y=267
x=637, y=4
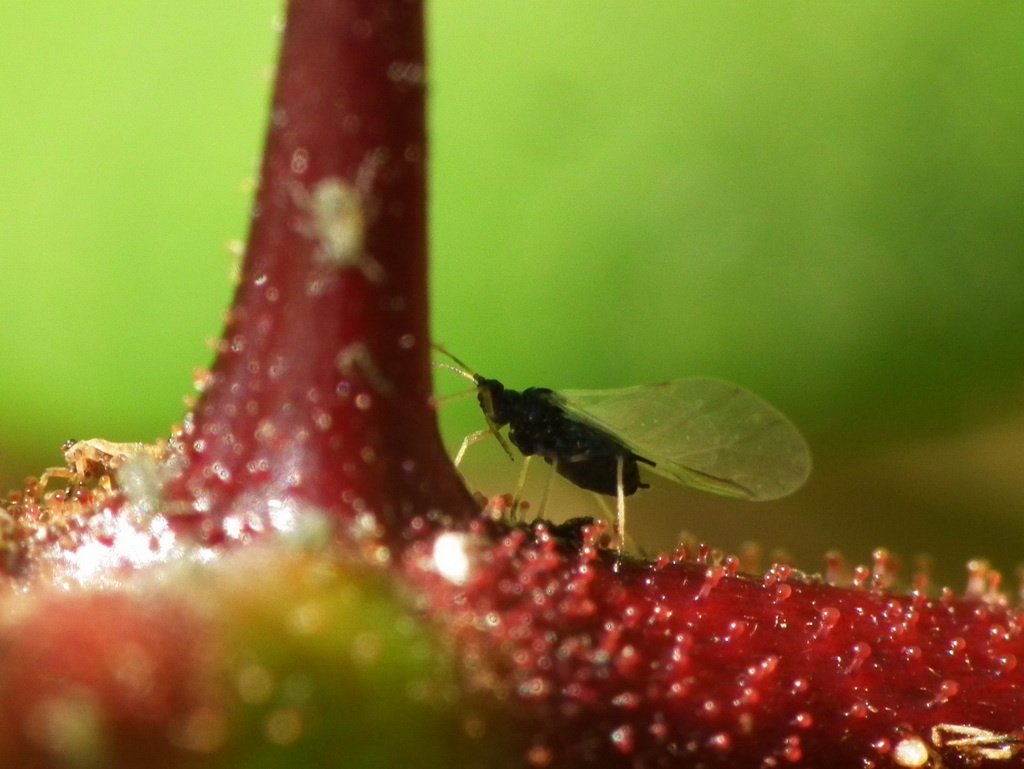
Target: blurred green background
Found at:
x=823, y=202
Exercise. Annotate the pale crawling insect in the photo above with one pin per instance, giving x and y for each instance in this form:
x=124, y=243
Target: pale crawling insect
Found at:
x=336, y=219
x=98, y=460
x=355, y=360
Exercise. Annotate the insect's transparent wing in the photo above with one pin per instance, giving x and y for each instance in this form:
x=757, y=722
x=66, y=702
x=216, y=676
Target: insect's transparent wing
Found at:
x=705, y=433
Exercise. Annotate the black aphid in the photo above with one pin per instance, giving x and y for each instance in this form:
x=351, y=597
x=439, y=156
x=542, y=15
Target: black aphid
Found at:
x=539, y=425
x=704, y=433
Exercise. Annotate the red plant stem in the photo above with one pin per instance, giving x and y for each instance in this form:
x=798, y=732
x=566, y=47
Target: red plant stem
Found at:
x=688, y=663
x=321, y=393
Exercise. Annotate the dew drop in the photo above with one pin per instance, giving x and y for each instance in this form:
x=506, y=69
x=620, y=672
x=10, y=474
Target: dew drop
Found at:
x=233, y=526
x=711, y=708
x=782, y=592
x=451, y=557
x=882, y=568
x=735, y=630
x=627, y=700
x=977, y=577
x=910, y=752
x=364, y=401
x=712, y=576
x=266, y=431
x=911, y=653
x=791, y=749
x=659, y=729
x=277, y=368
x=947, y=690
x=407, y=341
x=861, y=576
x=748, y=696
x=829, y=616
x=859, y=652
x=764, y=668
x=322, y=420
x=858, y=710
x=836, y=568
x=201, y=379
x=720, y=742
x=624, y=739
x=534, y=688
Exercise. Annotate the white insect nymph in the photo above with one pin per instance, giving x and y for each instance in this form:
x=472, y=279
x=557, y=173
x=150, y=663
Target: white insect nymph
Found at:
x=338, y=221
x=337, y=213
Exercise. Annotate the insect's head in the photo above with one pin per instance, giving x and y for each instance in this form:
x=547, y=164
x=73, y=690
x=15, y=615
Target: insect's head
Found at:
x=494, y=401
x=490, y=393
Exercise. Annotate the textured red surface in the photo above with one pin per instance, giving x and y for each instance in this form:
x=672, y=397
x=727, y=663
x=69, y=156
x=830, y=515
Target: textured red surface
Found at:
x=688, y=663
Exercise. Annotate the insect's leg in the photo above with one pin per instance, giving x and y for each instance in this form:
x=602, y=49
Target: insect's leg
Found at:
x=517, y=498
x=547, y=491
x=468, y=441
x=503, y=442
x=106, y=482
x=48, y=475
x=446, y=399
x=620, y=505
x=606, y=512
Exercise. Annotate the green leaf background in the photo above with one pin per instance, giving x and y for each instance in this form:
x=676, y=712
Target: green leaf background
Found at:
x=820, y=201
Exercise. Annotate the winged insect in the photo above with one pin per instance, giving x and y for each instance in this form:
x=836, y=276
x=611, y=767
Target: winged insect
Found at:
x=704, y=433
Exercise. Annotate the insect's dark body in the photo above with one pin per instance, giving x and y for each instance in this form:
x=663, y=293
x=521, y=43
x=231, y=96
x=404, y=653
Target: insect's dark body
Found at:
x=539, y=425
x=570, y=532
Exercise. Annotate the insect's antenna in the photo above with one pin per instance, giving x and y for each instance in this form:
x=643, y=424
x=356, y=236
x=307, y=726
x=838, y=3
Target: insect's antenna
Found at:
x=465, y=369
x=458, y=371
